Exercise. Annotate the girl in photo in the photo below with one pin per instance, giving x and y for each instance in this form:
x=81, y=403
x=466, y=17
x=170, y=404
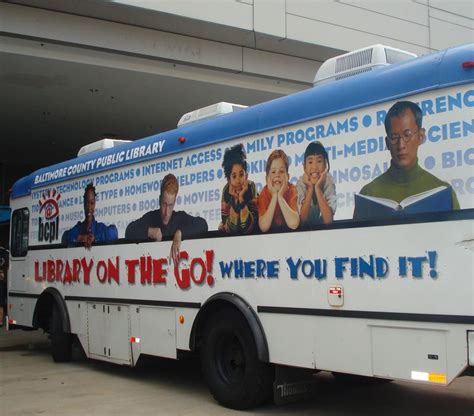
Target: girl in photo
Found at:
x=239, y=197
x=277, y=204
x=316, y=189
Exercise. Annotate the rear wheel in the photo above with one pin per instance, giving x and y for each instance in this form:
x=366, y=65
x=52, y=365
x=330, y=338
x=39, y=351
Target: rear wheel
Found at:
x=236, y=377
x=61, y=342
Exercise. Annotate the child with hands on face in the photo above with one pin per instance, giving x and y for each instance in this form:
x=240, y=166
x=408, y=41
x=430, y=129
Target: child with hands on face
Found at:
x=239, y=197
x=277, y=204
x=316, y=189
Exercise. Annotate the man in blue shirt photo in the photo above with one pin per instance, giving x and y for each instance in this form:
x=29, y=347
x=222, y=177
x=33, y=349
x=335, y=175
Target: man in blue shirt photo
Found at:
x=90, y=231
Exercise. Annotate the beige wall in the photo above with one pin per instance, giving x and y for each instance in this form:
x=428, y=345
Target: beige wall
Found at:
x=419, y=26
x=276, y=39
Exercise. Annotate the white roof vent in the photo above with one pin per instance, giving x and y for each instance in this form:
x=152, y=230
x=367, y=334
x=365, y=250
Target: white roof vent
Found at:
x=100, y=145
x=361, y=60
x=211, y=111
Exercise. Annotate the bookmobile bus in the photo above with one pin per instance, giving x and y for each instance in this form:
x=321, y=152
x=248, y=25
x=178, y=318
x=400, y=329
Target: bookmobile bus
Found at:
x=383, y=296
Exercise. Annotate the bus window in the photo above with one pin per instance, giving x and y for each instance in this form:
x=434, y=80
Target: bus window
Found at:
x=19, y=235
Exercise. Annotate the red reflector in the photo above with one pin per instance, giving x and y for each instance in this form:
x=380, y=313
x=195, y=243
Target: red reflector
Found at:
x=335, y=291
x=468, y=64
x=181, y=139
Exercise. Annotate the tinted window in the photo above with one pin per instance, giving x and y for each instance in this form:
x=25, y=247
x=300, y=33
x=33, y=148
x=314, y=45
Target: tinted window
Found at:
x=19, y=237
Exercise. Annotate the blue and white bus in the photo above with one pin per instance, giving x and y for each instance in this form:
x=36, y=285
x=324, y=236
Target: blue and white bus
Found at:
x=265, y=238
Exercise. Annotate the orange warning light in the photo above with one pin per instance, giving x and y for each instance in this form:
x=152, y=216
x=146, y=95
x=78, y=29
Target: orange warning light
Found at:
x=181, y=319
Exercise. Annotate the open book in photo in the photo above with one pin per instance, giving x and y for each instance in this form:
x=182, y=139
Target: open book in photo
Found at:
x=436, y=199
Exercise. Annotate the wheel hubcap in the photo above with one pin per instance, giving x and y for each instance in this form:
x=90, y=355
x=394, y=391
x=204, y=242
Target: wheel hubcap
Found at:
x=231, y=360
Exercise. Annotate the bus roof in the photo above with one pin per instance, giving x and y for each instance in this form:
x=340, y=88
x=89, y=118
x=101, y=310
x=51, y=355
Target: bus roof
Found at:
x=434, y=71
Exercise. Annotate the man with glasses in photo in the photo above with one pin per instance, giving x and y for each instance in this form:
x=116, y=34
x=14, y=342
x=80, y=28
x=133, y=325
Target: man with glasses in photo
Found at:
x=405, y=178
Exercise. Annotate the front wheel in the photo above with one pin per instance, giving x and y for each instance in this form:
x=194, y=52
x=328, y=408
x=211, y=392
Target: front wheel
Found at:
x=61, y=342
x=236, y=377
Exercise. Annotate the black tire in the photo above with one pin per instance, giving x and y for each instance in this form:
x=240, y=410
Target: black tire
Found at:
x=236, y=377
x=61, y=342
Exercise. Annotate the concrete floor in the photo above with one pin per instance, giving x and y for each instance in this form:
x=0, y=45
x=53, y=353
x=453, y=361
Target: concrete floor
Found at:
x=32, y=384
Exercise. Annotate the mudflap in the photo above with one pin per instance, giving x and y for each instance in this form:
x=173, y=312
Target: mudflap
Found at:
x=293, y=384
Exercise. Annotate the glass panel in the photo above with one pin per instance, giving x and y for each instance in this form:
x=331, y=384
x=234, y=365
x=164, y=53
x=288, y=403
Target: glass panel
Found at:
x=19, y=237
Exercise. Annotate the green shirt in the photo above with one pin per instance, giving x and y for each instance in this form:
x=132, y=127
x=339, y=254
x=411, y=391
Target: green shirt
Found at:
x=397, y=184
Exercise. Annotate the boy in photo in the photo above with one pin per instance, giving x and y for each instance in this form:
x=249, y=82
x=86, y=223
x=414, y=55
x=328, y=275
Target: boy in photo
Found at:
x=277, y=204
x=316, y=190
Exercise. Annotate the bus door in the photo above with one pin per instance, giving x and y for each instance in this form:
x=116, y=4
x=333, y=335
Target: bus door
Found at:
x=19, y=274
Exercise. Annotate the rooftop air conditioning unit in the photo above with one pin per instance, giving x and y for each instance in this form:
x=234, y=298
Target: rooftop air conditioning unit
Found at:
x=100, y=145
x=359, y=61
x=211, y=111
